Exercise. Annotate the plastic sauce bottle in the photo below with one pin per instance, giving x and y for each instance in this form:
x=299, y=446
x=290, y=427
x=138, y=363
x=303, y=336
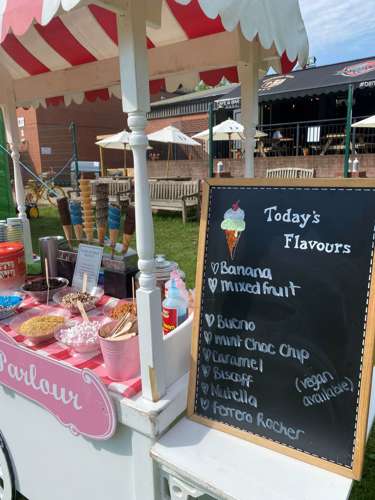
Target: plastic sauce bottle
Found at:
x=179, y=282
x=175, y=309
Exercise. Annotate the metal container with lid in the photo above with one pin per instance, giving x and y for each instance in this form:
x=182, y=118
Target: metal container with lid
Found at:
x=48, y=248
x=163, y=269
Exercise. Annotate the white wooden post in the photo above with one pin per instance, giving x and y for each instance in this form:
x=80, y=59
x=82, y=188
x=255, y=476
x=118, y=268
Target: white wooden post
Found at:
x=136, y=102
x=13, y=138
x=248, y=76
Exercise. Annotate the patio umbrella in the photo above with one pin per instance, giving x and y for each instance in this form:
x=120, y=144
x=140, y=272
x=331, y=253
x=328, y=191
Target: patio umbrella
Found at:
x=366, y=123
x=228, y=130
x=118, y=141
x=115, y=141
x=172, y=135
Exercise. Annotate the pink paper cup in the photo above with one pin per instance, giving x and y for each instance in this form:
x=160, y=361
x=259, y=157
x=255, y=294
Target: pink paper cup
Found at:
x=121, y=357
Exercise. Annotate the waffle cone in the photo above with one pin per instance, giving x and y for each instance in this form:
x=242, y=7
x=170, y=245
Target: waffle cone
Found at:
x=101, y=233
x=233, y=237
x=86, y=205
x=68, y=231
x=89, y=231
x=126, y=242
x=113, y=235
x=78, y=230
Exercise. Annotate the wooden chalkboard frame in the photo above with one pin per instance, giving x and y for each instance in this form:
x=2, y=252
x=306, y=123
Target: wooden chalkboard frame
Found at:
x=369, y=342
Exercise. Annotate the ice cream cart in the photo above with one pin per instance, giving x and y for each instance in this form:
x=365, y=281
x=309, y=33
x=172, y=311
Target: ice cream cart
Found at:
x=64, y=51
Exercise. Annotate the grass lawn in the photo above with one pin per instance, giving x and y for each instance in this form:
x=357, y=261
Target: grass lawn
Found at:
x=179, y=242
x=176, y=241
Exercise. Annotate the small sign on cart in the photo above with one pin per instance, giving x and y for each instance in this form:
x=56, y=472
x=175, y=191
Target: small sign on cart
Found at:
x=89, y=261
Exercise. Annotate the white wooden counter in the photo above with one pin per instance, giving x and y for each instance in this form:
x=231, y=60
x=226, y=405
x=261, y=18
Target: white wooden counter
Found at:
x=50, y=462
x=196, y=460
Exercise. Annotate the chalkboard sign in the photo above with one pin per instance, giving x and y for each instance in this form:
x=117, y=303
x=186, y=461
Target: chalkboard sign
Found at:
x=283, y=335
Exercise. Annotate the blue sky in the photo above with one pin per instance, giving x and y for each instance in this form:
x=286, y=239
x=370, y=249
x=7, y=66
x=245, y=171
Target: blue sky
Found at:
x=340, y=30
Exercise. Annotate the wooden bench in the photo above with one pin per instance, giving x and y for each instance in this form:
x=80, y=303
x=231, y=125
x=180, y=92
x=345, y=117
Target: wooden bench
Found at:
x=175, y=196
x=120, y=190
x=290, y=173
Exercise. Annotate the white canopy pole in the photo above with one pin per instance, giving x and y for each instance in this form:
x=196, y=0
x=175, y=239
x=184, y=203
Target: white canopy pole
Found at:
x=248, y=73
x=13, y=138
x=136, y=102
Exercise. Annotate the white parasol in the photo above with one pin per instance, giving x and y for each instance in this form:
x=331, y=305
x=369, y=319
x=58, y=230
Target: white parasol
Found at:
x=115, y=141
x=172, y=135
x=119, y=141
x=229, y=130
x=366, y=123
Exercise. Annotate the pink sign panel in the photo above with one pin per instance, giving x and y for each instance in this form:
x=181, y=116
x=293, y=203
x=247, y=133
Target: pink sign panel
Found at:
x=77, y=398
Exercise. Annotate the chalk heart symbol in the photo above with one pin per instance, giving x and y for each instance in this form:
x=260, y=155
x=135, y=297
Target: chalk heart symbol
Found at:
x=212, y=283
x=205, y=404
x=205, y=388
x=207, y=337
x=214, y=267
x=206, y=354
x=206, y=370
x=210, y=318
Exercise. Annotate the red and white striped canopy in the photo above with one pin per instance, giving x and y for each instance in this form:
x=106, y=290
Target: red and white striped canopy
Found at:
x=43, y=36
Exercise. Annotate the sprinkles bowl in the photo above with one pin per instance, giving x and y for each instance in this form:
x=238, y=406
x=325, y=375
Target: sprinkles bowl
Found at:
x=9, y=303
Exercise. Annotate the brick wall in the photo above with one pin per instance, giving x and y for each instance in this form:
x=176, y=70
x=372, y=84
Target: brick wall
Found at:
x=325, y=166
x=49, y=128
x=91, y=119
x=30, y=148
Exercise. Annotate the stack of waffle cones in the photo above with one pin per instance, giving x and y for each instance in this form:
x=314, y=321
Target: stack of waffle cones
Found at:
x=101, y=192
x=88, y=214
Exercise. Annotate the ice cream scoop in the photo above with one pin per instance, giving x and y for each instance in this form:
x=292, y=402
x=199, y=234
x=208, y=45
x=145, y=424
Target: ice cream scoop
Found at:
x=234, y=219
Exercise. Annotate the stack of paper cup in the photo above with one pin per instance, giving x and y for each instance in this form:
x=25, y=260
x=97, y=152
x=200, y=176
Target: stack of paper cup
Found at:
x=88, y=214
x=3, y=231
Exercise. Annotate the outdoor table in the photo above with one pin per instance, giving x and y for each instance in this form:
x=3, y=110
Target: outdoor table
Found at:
x=195, y=460
x=331, y=137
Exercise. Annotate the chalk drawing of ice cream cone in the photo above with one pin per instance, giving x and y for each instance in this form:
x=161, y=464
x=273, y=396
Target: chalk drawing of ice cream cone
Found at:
x=233, y=226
